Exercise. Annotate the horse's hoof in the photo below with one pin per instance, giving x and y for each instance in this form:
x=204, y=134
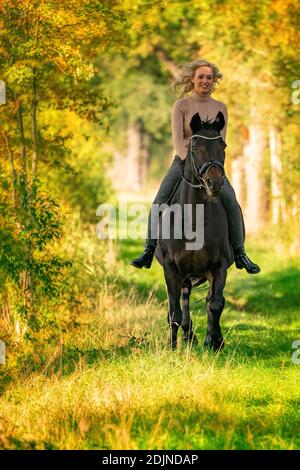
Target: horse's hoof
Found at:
x=216, y=344
x=172, y=345
x=192, y=339
x=219, y=346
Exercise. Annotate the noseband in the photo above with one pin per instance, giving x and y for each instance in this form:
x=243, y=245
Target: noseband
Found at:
x=197, y=171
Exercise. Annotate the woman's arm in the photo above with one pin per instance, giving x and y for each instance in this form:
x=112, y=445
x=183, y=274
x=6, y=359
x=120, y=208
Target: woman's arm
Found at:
x=177, y=132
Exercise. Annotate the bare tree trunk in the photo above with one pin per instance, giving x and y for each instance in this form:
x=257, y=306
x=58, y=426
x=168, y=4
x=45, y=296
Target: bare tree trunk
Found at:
x=26, y=286
x=22, y=144
x=238, y=179
x=25, y=278
x=133, y=157
x=295, y=214
x=130, y=168
x=6, y=315
x=256, y=205
x=34, y=127
x=13, y=170
x=276, y=173
x=34, y=114
x=145, y=157
x=167, y=61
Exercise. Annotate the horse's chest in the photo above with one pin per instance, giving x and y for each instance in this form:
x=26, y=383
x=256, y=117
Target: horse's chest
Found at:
x=193, y=262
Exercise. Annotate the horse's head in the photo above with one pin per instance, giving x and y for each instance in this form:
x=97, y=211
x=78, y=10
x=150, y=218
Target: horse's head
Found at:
x=207, y=153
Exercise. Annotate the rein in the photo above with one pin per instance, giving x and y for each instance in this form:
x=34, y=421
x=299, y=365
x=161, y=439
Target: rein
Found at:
x=198, y=172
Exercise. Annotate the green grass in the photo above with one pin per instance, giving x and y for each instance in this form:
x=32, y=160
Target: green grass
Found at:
x=113, y=383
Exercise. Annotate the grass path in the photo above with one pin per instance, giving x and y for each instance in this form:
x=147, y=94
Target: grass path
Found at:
x=114, y=384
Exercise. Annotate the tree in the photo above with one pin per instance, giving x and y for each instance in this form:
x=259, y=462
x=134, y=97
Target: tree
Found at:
x=47, y=51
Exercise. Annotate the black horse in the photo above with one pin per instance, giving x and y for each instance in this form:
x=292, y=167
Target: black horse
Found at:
x=186, y=267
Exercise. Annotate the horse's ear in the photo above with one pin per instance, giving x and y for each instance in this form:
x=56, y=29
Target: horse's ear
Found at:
x=219, y=122
x=195, y=123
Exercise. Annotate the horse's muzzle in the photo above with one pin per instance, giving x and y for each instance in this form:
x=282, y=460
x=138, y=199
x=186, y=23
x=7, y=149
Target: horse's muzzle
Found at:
x=214, y=187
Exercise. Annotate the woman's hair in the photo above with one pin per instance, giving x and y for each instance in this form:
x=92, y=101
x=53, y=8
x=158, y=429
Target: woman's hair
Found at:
x=184, y=81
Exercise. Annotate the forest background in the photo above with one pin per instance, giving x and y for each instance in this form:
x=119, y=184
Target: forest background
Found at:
x=85, y=119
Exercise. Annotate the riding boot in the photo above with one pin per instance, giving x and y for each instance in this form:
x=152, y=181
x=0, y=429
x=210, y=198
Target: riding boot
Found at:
x=146, y=258
x=242, y=261
x=236, y=229
x=167, y=188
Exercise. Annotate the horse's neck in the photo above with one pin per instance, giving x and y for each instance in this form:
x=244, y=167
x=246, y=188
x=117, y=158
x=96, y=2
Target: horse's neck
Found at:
x=191, y=195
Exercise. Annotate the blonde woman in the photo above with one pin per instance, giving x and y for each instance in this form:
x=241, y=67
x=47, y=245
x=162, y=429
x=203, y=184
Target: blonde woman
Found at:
x=199, y=78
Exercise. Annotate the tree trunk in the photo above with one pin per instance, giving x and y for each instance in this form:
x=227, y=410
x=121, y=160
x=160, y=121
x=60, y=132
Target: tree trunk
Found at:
x=23, y=157
x=23, y=160
x=256, y=203
x=34, y=128
x=276, y=174
x=130, y=167
x=145, y=158
x=12, y=169
x=294, y=213
x=25, y=278
x=133, y=156
x=167, y=61
x=238, y=179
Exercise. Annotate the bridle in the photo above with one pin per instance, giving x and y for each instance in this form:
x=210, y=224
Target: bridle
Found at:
x=197, y=171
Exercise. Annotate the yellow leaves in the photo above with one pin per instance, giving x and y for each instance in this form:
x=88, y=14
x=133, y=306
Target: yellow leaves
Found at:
x=68, y=32
x=70, y=60
x=19, y=73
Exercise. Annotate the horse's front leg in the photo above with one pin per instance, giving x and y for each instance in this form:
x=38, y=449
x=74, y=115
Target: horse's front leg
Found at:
x=173, y=282
x=187, y=325
x=215, y=302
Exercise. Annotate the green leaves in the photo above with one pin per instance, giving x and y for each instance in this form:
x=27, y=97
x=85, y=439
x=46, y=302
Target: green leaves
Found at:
x=26, y=235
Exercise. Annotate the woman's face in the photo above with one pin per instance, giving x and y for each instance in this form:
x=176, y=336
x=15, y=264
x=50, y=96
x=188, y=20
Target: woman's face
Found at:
x=203, y=80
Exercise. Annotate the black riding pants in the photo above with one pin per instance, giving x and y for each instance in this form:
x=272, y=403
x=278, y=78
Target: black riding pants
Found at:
x=233, y=210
